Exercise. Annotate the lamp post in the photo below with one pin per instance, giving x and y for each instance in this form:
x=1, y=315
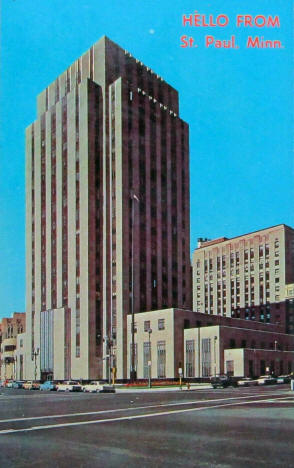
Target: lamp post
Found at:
x=15, y=368
x=108, y=341
x=149, y=362
x=35, y=353
x=215, y=339
x=133, y=370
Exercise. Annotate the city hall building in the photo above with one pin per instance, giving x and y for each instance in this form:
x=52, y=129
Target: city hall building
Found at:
x=107, y=212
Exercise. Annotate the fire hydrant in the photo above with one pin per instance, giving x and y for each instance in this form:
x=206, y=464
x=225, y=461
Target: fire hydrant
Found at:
x=188, y=385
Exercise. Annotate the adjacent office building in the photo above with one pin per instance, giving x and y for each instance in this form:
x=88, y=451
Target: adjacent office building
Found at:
x=107, y=212
x=247, y=276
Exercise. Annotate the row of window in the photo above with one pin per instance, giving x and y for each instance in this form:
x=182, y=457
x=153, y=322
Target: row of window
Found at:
x=161, y=359
x=147, y=327
x=208, y=358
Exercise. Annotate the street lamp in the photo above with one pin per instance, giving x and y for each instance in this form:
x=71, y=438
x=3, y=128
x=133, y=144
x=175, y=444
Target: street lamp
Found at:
x=35, y=353
x=109, y=343
x=133, y=370
x=215, y=339
x=149, y=362
x=15, y=367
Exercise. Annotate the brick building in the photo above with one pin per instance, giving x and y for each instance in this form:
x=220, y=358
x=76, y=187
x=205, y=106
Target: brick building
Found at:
x=10, y=328
x=246, y=276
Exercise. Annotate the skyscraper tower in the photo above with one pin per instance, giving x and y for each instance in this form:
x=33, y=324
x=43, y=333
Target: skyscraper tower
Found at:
x=107, y=211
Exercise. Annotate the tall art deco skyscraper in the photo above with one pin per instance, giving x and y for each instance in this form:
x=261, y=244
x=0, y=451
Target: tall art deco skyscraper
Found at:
x=107, y=211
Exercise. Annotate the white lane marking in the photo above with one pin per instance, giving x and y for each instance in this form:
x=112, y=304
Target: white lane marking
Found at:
x=287, y=399
x=132, y=408
x=126, y=418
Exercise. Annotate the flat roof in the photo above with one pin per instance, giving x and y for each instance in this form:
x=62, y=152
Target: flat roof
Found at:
x=222, y=239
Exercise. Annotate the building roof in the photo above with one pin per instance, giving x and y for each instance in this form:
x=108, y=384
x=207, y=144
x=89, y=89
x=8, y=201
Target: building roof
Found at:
x=219, y=240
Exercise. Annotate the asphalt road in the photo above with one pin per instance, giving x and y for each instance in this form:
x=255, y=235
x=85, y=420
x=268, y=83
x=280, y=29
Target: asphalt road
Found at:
x=252, y=427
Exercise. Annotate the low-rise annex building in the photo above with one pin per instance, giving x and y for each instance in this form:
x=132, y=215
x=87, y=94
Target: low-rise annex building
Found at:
x=202, y=345
x=236, y=351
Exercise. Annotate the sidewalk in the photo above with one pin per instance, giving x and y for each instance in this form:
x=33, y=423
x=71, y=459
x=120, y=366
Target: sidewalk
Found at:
x=175, y=388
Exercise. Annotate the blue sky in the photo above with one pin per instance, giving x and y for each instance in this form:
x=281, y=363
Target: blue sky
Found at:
x=238, y=104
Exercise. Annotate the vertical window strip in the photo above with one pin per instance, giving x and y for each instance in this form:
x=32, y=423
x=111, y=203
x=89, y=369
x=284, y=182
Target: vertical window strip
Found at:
x=64, y=204
x=33, y=240
x=53, y=212
x=43, y=212
x=78, y=331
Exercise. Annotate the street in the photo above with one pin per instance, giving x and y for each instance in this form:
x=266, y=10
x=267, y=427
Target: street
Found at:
x=207, y=428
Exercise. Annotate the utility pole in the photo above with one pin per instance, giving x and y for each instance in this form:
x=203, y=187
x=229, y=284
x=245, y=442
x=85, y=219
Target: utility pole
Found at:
x=133, y=370
x=109, y=343
x=215, y=339
x=149, y=362
x=35, y=353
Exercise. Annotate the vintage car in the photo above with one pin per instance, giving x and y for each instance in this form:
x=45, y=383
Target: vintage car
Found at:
x=223, y=381
x=18, y=384
x=48, y=385
x=69, y=386
x=246, y=382
x=93, y=387
x=266, y=380
x=31, y=385
x=283, y=379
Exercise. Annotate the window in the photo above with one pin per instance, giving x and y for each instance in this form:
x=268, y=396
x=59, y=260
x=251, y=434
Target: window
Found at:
x=9, y=348
x=190, y=358
x=161, y=324
x=146, y=358
x=206, y=357
x=230, y=367
x=146, y=325
x=232, y=343
x=135, y=356
x=161, y=359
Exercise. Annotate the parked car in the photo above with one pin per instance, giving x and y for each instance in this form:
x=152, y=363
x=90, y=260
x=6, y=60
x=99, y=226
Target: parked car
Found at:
x=266, y=380
x=31, y=385
x=93, y=387
x=18, y=384
x=246, y=382
x=48, y=385
x=69, y=386
x=223, y=381
x=9, y=384
x=283, y=379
